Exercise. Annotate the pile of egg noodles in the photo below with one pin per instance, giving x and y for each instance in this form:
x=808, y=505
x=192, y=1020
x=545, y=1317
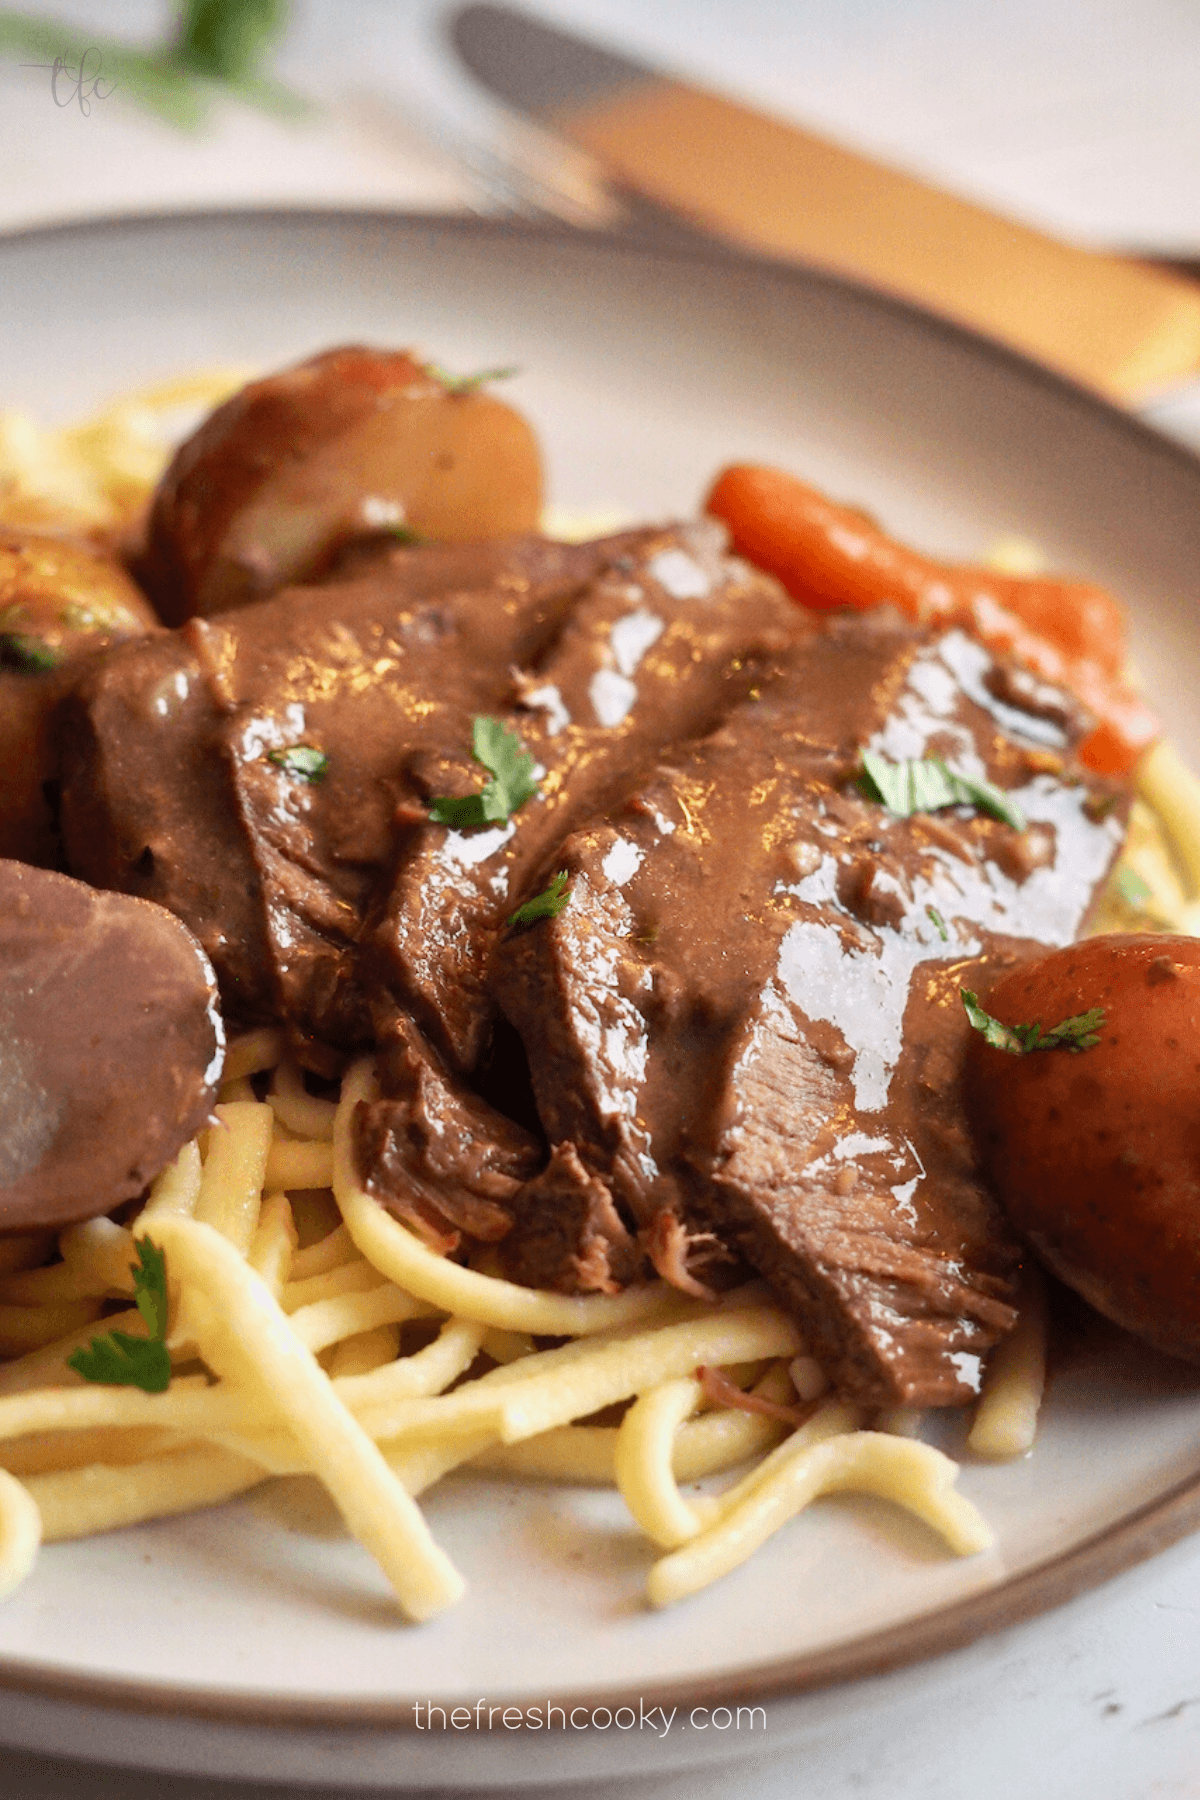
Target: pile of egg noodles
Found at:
x=312, y=1333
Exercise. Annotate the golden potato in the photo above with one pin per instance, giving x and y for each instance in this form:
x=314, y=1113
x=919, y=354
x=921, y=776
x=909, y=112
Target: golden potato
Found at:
x=60, y=599
x=351, y=441
x=1095, y=1154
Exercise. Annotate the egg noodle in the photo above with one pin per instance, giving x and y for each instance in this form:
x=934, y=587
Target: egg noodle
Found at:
x=313, y=1333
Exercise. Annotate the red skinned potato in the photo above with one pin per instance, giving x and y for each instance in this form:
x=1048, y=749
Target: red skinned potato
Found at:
x=287, y=470
x=60, y=599
x=1095, y=1154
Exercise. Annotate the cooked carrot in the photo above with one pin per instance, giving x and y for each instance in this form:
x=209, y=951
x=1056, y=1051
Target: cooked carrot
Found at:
x=829, y=556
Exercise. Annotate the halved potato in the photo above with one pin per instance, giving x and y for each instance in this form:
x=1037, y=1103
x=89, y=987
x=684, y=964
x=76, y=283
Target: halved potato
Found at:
x=354, y=440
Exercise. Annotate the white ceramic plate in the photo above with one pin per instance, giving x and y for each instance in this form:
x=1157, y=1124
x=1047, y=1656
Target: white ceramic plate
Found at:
x=255, y=1638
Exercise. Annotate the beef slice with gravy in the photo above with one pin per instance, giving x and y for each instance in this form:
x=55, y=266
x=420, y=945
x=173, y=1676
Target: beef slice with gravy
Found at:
x=111, y=1046
x=666, y=640
x=181, y=782
x=746, y=1026
x=436, y=1153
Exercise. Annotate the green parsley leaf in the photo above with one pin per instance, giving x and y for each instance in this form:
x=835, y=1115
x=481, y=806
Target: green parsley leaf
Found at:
x=119, y=1360
x=150, y=1286
x=404, y=534
x=939, y=924
x=1080, y=1032
x=928, y=785
x=303, y=760
x=467, y=384
x=30, y=655
x=546, y=905
x=512, y=783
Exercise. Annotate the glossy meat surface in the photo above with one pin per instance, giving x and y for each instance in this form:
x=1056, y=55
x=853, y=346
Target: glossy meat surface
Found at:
x=176, y=779
x=747, y=1025
x=663, y=644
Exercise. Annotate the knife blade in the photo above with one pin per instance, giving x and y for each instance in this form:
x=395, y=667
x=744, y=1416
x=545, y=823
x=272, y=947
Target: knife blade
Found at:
x=1118, y=326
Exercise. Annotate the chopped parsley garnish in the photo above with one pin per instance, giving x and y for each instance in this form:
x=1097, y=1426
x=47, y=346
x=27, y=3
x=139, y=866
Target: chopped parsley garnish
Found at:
x=939, y=924
x=1080, y=1032
x=546, y=905
x=119, y=1360
x=512, y=783
x=468, y=384
x=404, y=534
x=929, y=784
x=303, y=760
x=29, y=654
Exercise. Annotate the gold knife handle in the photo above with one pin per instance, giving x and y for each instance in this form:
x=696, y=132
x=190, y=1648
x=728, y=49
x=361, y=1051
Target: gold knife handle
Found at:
x=1129, y=330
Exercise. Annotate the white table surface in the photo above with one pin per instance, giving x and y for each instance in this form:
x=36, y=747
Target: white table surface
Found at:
x=1078, y=116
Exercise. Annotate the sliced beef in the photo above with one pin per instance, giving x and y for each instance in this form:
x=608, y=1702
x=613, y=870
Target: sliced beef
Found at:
x=180, y=784
x=436, y=1153
x=571, y=1233
x=746, y=1022
x=665, y=642
x=111, y=1046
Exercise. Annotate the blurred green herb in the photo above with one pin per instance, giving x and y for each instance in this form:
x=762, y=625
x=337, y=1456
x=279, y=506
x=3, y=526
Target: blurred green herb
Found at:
x=227, y=40
x=1133, y=889
x=215, y=45
x=467, y=384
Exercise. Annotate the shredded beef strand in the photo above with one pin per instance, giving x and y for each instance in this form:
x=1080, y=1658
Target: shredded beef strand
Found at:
x=722, y=1392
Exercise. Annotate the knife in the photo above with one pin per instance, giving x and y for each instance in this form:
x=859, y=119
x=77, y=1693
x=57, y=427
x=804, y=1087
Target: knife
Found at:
x=1118, y=326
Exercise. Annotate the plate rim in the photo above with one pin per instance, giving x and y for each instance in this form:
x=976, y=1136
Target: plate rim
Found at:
x=1045, y=1585
x=679, y=242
